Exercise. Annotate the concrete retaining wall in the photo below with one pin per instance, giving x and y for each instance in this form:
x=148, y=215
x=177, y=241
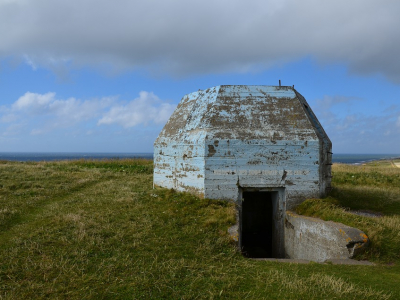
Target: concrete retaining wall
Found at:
x=317, y=240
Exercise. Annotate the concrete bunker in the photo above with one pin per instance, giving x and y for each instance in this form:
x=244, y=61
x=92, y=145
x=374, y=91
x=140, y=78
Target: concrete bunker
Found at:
x=248, y=143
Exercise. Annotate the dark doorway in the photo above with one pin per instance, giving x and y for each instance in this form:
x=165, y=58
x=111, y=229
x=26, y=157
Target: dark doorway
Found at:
x=257, y=224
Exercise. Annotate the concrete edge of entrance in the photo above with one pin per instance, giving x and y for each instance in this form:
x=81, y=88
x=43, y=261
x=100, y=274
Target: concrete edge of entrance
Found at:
x=317, y=240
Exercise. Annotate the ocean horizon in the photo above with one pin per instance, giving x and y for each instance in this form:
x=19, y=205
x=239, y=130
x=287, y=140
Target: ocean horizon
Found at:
x=54, y=156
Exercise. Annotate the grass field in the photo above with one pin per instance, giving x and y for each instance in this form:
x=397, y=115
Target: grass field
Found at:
x=97, y=230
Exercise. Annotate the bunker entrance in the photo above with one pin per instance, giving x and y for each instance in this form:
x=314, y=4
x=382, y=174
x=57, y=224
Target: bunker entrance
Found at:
x=259, y=228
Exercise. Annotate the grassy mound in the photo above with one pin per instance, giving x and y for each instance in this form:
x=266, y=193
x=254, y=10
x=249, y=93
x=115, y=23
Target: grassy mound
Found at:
x=97, y=230
x=373, y=188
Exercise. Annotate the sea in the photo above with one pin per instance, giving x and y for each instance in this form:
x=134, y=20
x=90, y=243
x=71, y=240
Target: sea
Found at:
x=53, y=156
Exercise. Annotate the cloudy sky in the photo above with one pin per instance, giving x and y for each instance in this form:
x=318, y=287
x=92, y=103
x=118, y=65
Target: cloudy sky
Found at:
x=104, y=76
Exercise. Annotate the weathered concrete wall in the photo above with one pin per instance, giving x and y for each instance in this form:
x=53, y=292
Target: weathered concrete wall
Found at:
x=180, y=167
x=179, y=149
x=314, y=239
x=325, y=148
x=230, y=137
x=260, y=164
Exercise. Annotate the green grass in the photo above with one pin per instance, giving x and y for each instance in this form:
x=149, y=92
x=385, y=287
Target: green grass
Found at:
x=97, y=230
x=374, y=187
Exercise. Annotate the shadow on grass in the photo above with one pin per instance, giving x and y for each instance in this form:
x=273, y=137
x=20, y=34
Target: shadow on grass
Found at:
x=365, y=198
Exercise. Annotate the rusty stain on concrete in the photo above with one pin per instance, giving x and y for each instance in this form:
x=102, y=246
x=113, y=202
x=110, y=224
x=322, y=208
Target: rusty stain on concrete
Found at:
x=211, y=150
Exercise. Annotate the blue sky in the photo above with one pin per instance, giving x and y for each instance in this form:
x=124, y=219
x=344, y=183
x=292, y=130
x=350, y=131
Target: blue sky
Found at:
x=102, y=76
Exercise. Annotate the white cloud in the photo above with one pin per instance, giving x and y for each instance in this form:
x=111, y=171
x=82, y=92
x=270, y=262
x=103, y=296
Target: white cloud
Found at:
x=38, y=131
x=8, y=118
x=71, y=110
x=187, y=37
x=30, y=62
x=353, y=130
x=147, y=108
x=329, y=101
x=42, y=113
x=33, y=102
x=324, y=108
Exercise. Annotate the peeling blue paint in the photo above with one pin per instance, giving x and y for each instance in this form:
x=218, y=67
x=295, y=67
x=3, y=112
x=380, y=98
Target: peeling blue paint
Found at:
x=230, y=137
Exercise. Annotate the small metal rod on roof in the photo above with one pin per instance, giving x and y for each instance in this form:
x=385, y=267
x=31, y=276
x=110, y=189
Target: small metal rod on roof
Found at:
x=279, y=82
x=293, y=85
